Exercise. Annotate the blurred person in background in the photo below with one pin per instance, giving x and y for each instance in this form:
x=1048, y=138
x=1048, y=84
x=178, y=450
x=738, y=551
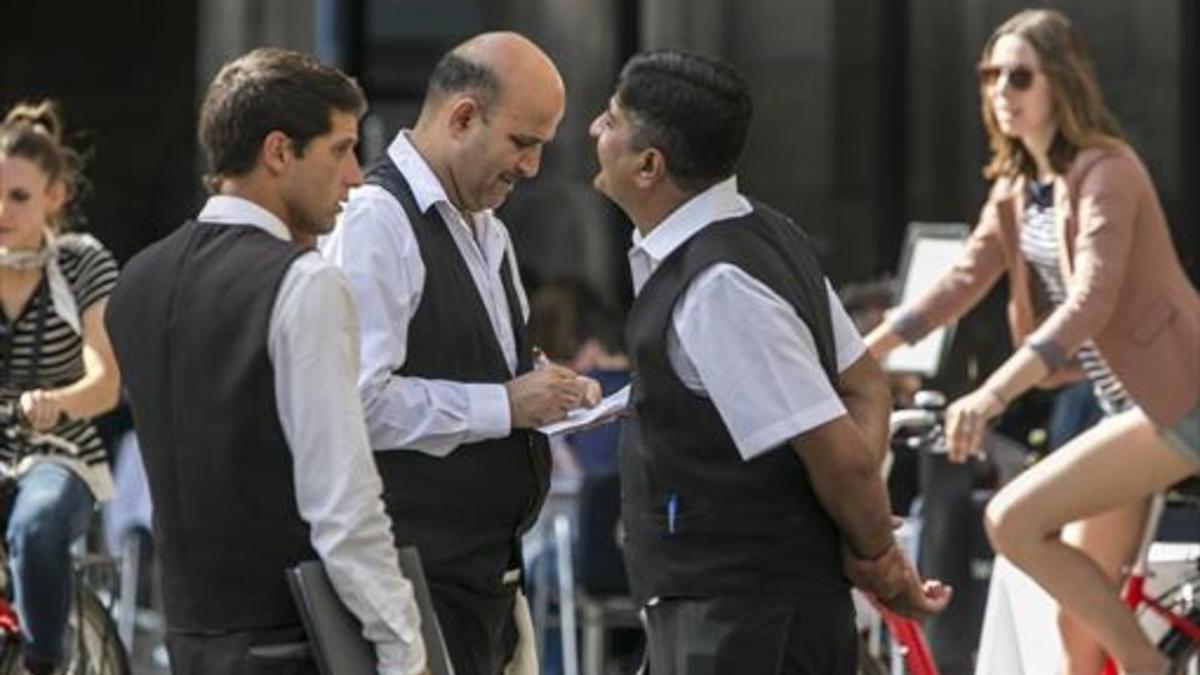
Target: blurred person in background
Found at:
x=572, y=326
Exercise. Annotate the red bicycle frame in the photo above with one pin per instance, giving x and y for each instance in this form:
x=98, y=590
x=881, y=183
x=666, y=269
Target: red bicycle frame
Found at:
x=908, y=635
x=909, y=638
x=1135, y=595
x=10, y=626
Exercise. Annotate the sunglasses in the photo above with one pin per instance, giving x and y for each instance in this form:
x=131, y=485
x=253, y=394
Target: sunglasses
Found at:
x=1020, y=78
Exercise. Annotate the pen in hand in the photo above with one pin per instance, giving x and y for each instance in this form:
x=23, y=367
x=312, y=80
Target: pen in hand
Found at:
x=589, y=389
x=540, y=360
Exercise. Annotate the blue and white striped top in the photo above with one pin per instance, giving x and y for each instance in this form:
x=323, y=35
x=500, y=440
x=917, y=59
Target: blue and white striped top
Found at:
x=1040, y=247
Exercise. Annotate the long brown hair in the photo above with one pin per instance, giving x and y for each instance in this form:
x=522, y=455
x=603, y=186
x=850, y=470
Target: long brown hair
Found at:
x=1080, y=115
x=33, y=131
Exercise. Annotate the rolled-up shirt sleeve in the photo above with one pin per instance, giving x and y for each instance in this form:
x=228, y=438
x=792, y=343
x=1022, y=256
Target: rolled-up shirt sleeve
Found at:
x=313, y=346
x=376, y=249
x=965, y=283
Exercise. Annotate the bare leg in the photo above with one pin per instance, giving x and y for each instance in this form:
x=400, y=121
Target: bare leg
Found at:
x=1111, y=540
x=1118, y=462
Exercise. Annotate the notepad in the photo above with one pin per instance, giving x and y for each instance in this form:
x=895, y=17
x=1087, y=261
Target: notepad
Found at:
x=606, y=411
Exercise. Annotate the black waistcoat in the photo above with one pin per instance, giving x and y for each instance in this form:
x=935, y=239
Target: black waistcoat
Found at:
x=466, y=511
x=700, y=520
x=189, y=325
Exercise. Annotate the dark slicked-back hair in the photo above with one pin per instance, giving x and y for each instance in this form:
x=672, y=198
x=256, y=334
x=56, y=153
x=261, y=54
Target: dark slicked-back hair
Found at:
x=269, y=90
x=696, y=110
x=455, y=74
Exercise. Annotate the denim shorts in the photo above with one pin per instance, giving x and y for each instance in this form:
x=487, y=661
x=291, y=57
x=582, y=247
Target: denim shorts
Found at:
x=1184, y=436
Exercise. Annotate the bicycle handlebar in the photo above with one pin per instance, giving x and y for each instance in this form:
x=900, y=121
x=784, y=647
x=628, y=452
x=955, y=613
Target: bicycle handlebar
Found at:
x=11, y=413
x=14, y=425
x=924, y=419
x=910, y=419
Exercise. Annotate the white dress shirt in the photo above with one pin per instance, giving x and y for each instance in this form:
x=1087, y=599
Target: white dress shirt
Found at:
x=313, y=346
x=375, y=246
x=739, y=343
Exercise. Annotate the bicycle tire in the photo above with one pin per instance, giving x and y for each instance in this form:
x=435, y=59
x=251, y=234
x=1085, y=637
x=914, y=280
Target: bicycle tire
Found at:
x=10, y=656
x=1180, y=649
x=868, y=663
x=1186, y=662
x=97, y=648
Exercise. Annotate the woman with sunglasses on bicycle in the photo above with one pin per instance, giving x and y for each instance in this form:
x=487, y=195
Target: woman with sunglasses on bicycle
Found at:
x=56, y=366
x=1095, y=286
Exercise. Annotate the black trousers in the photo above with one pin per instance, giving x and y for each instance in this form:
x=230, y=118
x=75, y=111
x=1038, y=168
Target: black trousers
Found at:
x=282, y=651
x=810, y=635
x=480, y=632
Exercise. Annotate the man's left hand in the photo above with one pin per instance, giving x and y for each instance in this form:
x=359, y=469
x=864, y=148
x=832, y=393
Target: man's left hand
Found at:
x=893, y=581
x=592, y=393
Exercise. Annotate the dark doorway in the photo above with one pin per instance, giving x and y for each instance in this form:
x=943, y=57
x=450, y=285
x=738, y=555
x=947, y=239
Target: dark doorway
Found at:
x=126, y=81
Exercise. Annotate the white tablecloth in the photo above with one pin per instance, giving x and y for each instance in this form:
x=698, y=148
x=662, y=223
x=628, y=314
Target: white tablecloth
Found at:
x=1020, y=632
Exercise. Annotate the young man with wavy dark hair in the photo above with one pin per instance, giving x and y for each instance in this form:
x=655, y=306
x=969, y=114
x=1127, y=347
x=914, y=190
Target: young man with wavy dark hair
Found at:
x=239, y=344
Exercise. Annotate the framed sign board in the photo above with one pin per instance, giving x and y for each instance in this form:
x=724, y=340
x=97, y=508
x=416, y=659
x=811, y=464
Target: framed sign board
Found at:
x=930, y=249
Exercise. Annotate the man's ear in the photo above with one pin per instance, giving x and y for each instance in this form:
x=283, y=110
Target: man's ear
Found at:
x=277, y=152
x=652, y=168
x=465, y=111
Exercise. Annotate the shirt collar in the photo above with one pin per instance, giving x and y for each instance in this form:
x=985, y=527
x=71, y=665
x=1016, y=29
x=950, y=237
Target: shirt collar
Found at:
x=426, y=188
x=719, y=202
x=231, y=210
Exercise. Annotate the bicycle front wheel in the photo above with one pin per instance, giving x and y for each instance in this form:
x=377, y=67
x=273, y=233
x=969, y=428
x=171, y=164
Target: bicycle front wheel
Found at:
x=91, y=644
x=1182, y=650
x=10, y=656
x=870, y=662
x=1187, y=662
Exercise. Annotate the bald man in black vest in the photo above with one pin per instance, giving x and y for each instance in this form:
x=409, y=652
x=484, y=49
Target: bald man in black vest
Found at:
x=448, y=380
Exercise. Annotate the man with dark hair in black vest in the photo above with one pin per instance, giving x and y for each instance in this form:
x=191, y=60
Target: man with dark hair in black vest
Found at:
x=750, y=462
x=447, y=378
x=238, y=344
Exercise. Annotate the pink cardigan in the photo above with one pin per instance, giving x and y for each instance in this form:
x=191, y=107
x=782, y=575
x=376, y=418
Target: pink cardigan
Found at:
x=1126, y=289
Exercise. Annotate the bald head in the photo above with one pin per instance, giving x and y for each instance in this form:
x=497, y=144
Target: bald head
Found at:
x=495, y=68
x=493, y=103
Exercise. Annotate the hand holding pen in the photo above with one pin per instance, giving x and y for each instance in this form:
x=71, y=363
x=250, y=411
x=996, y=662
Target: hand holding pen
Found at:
x=547, y=393
x=592, y=394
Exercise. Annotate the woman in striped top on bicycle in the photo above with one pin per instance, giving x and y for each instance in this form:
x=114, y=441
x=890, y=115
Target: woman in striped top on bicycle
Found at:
x=56, y=366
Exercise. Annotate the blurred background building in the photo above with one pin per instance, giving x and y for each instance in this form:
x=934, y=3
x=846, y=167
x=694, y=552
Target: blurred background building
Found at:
x=867, y=110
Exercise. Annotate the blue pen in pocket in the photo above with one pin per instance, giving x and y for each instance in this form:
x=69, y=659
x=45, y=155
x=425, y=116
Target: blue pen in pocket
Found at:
x=672, y=511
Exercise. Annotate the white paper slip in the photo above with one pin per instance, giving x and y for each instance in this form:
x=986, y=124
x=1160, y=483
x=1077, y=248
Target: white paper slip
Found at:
x=605, y=411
